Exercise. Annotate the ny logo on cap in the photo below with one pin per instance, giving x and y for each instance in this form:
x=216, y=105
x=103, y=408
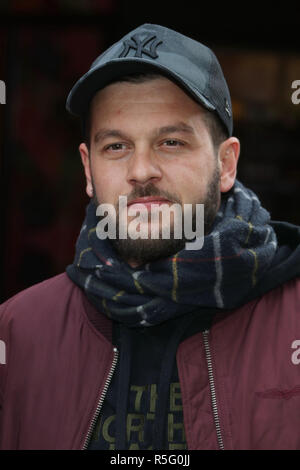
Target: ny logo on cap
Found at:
x=140, y=46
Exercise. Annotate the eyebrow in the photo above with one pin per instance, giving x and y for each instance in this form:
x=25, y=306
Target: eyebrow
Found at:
x=104, y=133
x=178, y=127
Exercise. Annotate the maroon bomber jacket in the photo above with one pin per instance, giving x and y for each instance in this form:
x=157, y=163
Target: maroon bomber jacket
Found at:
x=240, y=381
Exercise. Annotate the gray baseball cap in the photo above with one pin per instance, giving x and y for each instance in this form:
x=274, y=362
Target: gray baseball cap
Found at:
x=155, y=48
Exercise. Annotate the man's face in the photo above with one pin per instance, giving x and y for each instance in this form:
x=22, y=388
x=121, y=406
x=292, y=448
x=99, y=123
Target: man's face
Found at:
x=149, y=142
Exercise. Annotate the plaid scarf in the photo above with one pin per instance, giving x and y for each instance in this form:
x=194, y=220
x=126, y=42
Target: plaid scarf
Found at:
x=235, y=256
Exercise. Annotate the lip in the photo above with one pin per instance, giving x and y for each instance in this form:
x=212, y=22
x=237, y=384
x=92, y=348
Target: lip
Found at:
x=148, y=200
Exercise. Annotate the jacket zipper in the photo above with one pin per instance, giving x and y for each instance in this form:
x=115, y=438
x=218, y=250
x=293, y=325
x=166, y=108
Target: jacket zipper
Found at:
x=101, y=400
x=212, y=389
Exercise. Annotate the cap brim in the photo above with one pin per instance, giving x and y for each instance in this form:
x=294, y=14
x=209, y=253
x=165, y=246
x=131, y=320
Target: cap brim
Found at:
x=99, y=77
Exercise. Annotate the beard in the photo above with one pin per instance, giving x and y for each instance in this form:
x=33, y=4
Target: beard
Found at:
x=141, y=251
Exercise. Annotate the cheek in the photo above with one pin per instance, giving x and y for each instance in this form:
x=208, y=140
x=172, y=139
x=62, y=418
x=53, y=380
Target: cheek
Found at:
x=107, y=182
x=190, y=182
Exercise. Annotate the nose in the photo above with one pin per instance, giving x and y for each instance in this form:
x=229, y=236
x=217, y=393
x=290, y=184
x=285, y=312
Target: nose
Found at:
x=143, y=167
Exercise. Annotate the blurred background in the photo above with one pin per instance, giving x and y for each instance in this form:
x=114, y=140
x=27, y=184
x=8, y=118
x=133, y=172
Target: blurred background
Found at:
x=45, y=46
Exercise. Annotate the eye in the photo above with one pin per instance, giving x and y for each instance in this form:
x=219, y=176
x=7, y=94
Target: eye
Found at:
x=116, y=146
x=173, y=143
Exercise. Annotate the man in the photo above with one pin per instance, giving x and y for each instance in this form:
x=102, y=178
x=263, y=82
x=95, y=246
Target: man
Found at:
x=152, y=342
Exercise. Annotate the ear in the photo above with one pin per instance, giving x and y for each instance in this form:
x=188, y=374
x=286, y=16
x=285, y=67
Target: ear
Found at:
x=228, y=155
x=85, y=158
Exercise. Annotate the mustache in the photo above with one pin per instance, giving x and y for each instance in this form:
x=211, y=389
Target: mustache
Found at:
x=151, y=190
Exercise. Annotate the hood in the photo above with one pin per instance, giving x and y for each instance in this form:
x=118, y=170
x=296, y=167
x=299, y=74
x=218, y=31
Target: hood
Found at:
x=286, y=262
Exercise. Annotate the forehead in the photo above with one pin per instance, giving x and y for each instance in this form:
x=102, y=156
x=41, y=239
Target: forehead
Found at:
x=152, y=93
